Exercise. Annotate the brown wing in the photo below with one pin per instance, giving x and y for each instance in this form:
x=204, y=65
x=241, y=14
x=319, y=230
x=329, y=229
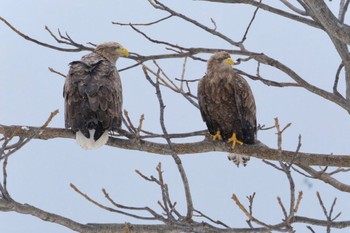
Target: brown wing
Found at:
x=207, y=105
x=227, y=104
x=93, y=96
x=246, y=109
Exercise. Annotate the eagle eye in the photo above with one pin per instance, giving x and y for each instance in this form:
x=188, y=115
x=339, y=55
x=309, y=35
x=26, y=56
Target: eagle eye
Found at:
x=221, y=59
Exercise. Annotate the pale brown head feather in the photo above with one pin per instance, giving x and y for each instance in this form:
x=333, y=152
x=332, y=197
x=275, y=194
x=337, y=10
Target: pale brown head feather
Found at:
x=216, y=60
x=110, y=51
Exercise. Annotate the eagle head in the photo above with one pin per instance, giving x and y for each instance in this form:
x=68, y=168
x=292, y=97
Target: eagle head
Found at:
x=112, y=51
x=220, y=59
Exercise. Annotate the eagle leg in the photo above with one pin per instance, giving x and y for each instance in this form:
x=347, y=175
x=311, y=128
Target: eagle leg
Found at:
x=217, y=136
x=234, y=141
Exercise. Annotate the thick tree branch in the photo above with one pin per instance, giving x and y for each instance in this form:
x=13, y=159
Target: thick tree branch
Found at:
x=331, y=24
x=145, y=228
x=258, y=150
x=326, y=18
x=43, y=215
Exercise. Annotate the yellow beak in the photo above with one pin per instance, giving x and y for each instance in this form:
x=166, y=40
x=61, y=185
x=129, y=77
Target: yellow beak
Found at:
x=228, y=61
x=123, y=51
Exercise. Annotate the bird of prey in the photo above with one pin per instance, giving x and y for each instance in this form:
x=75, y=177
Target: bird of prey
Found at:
x=93, y=95
x=227, y=104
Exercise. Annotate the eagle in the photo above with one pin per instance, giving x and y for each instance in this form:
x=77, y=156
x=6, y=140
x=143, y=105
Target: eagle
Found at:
x=93, y=95
x=227, y=104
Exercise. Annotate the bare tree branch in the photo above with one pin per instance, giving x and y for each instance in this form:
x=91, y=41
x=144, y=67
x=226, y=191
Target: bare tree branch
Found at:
x=272, y=10
x=343, y=8
x=329, y=21
x=136, y=137
x=321, y=175
x=39, y=42
x=258, y=150
x=161, y=6
x=111, y=209
x=173, y=153
x=143, y=24
x=336, y=80
x=250, y=24
x=294, y=8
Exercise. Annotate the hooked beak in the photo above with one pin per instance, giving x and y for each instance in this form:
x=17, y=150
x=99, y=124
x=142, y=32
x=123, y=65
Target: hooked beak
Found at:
x=228, y=61
x=123, y=51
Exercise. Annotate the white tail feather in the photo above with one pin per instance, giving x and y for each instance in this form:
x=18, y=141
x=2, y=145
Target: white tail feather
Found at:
x=90, y=143
x=238, y=159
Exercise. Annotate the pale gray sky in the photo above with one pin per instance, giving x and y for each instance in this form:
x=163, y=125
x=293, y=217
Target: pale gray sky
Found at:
x=40, y=173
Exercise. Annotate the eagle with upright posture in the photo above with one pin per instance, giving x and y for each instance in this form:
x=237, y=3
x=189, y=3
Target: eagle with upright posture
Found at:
x=227, y=104
x=93, y=95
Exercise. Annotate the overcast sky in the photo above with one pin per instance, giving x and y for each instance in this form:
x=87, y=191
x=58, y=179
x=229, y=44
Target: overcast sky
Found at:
x=40, y=173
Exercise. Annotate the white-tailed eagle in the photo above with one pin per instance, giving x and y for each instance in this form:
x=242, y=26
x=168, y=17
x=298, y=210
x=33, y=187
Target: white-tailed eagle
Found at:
x=227, y=103
x=93, y=95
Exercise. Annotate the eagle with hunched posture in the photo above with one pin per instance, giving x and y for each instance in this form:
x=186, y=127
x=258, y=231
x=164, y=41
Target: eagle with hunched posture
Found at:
x=227, y=104
x=93, y=95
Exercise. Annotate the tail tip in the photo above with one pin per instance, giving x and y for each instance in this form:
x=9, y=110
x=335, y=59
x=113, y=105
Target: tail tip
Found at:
x=90, y=143
x=239, y=159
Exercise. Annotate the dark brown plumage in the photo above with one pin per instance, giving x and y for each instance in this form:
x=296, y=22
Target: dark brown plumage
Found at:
x=93, y=95
x=226, y=101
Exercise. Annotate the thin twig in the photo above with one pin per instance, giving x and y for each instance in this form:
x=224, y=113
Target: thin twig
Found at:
x=250, y=23
x=165, y=197
x=152, y=212
x=4, y=191
x=336, y=80
x=310, y=228
x=251, y=200
x=343, y=10
x=329, y=222
x=266, y=81
x=322, y=175
x=272, y=165
x=172, y=86
x=183, y=73
x=282, y=207
x=338, y=170
x=218, y=222
x=139, y=128
x=174, y=155
x=300, y=196
x=143, y=24
x=129, y=122
x=294, y=8
x=56, y=72
x=151, y=179
x=155, y=41
x=39, y=42
x=31, y=136
x=214, y=23
x=161, y=6
x=188, y=80
x=108, y=208
x=250, y=217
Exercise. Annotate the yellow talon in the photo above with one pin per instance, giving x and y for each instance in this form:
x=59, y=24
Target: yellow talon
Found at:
x=217, y=136
x=234, y=140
